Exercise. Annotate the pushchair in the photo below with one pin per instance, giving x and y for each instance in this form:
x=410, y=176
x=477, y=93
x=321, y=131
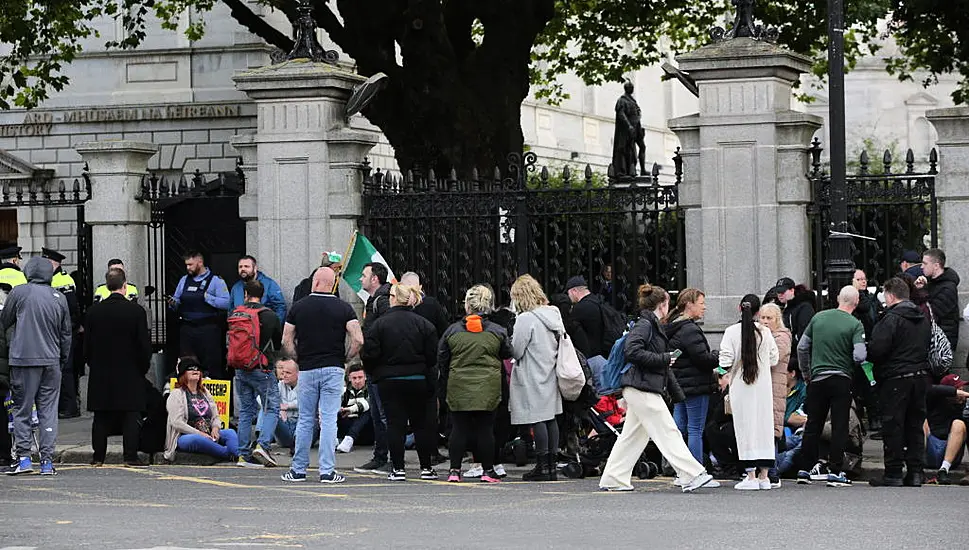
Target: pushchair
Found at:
x=593, y=451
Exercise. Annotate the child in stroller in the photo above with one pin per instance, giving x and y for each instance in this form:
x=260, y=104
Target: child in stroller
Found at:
x=596, y=439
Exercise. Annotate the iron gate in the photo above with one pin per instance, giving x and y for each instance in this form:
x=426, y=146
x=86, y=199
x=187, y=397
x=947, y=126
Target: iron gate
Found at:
x=44, y=192
x=489, y=229
x=189, y=214
x=896, y=211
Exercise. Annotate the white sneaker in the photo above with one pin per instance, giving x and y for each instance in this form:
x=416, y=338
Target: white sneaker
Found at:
x=765, y=484
x=499, y=470
x=702, y=480
x=748, y=485
x=680, y=482
x=475, y=470
x=346, y=445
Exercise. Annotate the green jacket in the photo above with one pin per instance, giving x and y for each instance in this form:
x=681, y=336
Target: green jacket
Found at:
x=470, y=356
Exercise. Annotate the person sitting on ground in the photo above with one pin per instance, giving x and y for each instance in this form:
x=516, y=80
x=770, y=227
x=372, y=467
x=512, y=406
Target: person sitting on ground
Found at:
x=945, y=427
x=194, y=425
x=288, y=373
x=353, y=424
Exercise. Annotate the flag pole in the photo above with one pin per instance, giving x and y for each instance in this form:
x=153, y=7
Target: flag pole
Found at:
x=346, y=258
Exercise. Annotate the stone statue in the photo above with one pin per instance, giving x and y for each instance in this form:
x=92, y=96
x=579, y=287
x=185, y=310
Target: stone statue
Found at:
x=628, y=136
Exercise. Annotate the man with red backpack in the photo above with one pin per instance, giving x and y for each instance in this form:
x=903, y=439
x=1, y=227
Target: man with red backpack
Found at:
x=254, y=334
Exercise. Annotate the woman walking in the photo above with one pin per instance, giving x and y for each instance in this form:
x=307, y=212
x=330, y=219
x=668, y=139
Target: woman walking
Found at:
x=771, y=317
x=748, y=352
x=534, y=397
x=470, y=357
x=194, y=425
x=400, y=354
x=693, y=369
x=647, y=416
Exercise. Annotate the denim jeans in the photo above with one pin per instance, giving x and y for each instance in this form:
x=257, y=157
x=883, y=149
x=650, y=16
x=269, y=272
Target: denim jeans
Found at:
x=286, y=433
x=319, y=389
x=379, y=417
x=248, y=385
x=691, y=417
x=226, y=448
x=787, y=460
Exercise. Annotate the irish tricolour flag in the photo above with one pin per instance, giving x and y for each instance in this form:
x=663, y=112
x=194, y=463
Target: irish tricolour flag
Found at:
x=361, y=253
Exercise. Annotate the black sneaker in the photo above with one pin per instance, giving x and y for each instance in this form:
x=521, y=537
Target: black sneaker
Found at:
x=428, y=473
x=942, y=478
x=332, y=477
x=293, y=477
x=369, y=467
x=914, y=479
x=397, y=475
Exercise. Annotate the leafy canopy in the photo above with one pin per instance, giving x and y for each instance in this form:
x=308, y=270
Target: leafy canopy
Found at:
x=597, y=40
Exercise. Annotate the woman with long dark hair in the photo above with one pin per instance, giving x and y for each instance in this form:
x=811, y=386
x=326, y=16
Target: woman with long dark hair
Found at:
x=747, y=352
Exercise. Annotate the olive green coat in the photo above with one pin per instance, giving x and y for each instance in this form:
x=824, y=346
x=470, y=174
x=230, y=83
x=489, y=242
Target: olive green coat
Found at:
x=470, y=356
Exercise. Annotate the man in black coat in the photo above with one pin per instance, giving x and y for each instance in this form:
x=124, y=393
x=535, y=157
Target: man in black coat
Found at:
x=117, y=349
x=585, y=323
x=899, y=350
x=942, y=284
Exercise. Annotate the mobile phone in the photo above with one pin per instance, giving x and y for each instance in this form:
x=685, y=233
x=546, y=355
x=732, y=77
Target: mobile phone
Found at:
x=675, y=354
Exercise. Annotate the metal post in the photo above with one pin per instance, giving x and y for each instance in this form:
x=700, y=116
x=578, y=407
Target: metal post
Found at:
x=840, y=266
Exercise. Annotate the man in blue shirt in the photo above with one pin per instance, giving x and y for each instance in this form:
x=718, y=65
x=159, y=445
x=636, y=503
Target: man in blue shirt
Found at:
x=202, y=300
x=273, y=298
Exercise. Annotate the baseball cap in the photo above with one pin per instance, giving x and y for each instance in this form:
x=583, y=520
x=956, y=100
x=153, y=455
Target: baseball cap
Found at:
x=784, y=284
x=575, y=282
x=186, y=364
x=954, y=381
x=911, y=257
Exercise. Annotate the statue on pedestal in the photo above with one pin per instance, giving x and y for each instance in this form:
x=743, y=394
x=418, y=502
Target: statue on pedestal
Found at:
x=628, y=136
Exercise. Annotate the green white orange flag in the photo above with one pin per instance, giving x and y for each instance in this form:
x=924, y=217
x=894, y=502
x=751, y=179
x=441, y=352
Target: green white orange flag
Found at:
x=360, y=253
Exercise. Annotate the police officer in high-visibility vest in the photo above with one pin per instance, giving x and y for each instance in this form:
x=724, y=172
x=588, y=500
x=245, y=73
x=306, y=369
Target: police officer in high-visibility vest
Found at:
x=130, y=291
x=10, y=273
x=69, y=405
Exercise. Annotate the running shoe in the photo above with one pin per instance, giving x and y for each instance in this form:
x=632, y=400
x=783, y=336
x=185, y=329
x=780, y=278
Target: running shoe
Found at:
x=428, y=474
x=838, y=480
x=490, y=477
x=454, y=476
x=23, y=466
x=474, y=470
x=47, y=468
x=370, y=467
x=702, y=480
x=247, y=463
x=500, y=471
x=397, y=475
x=292, y=476
x=332, y=477
x=263, y=457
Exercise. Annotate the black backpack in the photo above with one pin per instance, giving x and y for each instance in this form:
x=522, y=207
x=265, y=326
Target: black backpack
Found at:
x=613, y=326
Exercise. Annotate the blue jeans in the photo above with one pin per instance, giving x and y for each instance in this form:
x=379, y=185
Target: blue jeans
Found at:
x=691, y=417
x=226, y=448
x=379, y=417
x=319, y=389
x=248, y=385
x=787, y=459
x=286, y=433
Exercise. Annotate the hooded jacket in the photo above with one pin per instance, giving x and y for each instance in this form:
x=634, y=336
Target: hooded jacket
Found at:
x=534, y=391
x=40, y=318
x=798, y=312
x=944, y=297
x=470, y=356
x=899, y=342
x=693, y=369
x=648, y=349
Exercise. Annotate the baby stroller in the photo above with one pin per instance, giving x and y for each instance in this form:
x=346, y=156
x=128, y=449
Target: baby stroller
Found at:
x=594, y=451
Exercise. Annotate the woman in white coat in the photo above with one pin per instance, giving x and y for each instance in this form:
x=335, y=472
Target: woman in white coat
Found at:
x=747, y=352
x=534, y=399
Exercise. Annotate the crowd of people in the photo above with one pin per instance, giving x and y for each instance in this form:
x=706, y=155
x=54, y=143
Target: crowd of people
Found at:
x=791, y=392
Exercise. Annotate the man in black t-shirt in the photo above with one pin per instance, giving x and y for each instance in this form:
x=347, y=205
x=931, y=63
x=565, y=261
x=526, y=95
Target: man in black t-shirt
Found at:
x=315, y=334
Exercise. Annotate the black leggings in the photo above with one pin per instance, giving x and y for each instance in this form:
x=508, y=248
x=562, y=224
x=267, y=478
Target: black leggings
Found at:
x=411, y=400
x=546, y=436
x=476, y=426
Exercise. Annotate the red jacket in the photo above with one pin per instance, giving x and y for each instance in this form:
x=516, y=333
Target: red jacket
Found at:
x=610, y=405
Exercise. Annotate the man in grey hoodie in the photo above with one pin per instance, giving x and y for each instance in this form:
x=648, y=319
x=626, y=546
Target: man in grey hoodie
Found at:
x=39, y=350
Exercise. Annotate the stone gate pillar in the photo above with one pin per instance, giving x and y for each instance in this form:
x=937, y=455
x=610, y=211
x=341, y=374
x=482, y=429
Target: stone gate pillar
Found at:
x=952, y=191
x=303, y=192
x=745, y=188
x=119, y=222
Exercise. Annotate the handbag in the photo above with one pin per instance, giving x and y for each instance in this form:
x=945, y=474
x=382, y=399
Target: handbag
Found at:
x=940, y=351
x=568, y=369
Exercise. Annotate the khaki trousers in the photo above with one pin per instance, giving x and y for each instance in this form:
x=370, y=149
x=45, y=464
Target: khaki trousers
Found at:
x=647, y=417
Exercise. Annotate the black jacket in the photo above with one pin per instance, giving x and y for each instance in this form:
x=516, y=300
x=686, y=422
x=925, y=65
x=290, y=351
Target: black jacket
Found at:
x=117, y=349
x=693, y=369
x=899, y=343
x=585, y=326
x=798, y=313
x=941, y=409
x=433, y=311
x=867, y=311
x=944, y=298
x=377, y=304
x=400, y=343
x=647, y=348
x=305, y=288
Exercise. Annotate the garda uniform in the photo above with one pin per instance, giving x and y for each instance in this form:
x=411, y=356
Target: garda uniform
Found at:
x=69, y=405
x=10, y=273
x=102, y=292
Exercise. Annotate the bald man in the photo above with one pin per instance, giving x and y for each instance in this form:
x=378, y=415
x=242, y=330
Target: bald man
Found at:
x=315, y=336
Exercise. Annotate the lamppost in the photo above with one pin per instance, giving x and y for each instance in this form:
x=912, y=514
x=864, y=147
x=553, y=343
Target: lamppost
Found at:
x=840, y=267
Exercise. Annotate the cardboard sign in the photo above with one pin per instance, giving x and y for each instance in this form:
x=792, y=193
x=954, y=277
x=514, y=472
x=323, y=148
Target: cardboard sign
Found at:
x=221, y=391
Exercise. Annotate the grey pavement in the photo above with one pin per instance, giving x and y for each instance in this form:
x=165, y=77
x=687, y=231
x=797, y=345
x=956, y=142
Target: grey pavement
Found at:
x=219, y=507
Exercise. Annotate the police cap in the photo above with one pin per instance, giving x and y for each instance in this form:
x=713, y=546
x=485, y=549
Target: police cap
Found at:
x=52, y=255
x=10, y=251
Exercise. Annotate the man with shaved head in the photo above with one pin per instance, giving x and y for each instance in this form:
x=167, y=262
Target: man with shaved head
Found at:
x=315, y=337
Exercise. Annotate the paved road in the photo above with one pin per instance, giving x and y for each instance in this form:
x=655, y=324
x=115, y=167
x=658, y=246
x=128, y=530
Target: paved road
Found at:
x=228, y=507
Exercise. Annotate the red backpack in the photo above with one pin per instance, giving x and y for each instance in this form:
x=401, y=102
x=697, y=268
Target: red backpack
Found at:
x=243, y=339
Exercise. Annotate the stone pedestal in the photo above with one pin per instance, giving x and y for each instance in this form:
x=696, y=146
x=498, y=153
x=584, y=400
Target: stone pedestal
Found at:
x=303, y=188
x=119, y=222
x=745, y=188
x=952, y=191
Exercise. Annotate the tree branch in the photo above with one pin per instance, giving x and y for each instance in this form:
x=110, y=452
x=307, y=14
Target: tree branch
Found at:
x=257, y=25
x=328, y=21
x=459, y=20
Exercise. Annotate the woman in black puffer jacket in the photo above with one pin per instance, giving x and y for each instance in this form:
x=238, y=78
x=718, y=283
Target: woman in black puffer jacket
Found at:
x=693, y=369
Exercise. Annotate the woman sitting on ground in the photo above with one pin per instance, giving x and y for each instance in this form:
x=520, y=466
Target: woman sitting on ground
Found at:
x=194, y=425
